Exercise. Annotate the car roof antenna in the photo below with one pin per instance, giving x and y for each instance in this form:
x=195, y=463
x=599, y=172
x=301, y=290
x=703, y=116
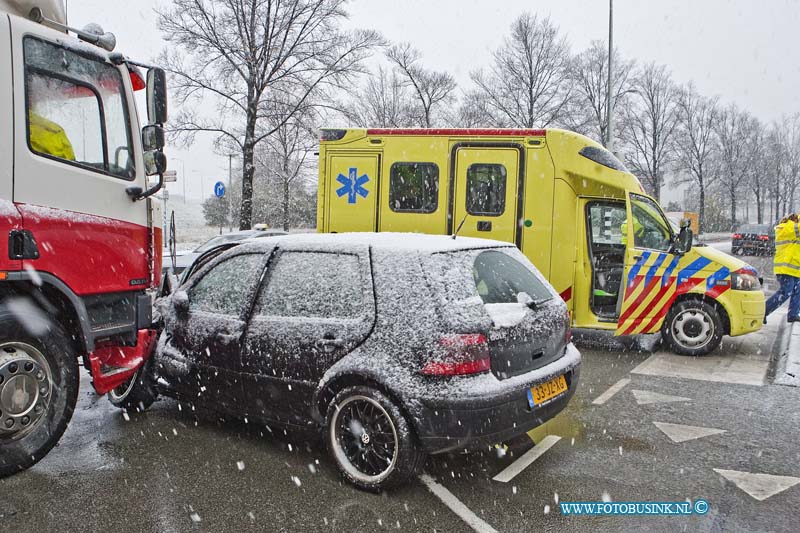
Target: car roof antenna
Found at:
x=459, y=226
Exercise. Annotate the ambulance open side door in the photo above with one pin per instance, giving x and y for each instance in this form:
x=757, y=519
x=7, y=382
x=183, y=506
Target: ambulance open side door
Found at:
x=649, y=272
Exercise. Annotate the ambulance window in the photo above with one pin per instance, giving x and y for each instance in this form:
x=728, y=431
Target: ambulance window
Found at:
x=486, y=189
x=650, y=228
x=76, y=109
x=414, y=188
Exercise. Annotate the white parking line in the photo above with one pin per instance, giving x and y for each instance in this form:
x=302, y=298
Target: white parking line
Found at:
x=612, y=390
x=529, y=457
x=455, y=505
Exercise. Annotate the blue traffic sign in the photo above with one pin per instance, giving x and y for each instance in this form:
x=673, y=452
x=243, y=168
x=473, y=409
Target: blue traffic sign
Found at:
x=219, y=189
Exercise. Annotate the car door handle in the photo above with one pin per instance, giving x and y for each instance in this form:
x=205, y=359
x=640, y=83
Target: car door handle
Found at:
x=329, y=345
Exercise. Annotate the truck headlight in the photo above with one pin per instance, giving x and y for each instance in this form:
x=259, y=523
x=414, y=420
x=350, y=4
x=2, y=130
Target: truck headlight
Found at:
x=745, y=280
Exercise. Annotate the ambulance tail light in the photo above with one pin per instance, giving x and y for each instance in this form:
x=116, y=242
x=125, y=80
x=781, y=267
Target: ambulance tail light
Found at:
x=461, y=355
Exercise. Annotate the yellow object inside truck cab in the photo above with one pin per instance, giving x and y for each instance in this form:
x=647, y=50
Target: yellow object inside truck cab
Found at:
x=565, y=201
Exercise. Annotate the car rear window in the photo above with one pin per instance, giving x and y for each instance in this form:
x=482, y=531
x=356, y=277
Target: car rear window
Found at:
x=499, y=278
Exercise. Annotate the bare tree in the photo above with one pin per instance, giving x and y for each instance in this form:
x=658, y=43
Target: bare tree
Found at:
x=756, y=167
x=430, y=87
x=589, y=72
x=239, y=57
x=649, y=123
x=284, y=158
x=696, y=144
x=734, y=130
x=383, y=102
x=529, y=83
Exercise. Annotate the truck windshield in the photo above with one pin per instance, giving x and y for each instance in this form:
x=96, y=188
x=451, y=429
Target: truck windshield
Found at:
x=650, y=227
x=76, y=109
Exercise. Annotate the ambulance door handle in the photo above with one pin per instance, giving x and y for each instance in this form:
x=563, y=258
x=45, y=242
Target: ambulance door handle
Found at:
x=637, y=257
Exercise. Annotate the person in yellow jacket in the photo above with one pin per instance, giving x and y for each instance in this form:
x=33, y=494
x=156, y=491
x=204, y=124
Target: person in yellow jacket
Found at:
x=787, y=268
x=47, y=137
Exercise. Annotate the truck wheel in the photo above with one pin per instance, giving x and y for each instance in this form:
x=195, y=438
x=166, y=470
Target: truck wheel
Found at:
x=370, y=439
x=38, y=390
x=692, y=327
x=138, y=393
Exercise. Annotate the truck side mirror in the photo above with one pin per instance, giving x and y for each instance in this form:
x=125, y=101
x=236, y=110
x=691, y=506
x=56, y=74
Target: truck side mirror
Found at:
x=156, y=96
x=152, y=137
x=155, y=162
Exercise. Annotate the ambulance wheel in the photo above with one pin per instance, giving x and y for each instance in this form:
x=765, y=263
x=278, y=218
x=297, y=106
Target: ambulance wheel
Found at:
x=138, y=392
x=692, y=327
x=38, y=388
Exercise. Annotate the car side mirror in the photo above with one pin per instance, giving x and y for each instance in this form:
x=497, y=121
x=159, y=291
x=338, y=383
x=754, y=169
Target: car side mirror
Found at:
x=684, y=241
x=180, y=302
x=152, y=137
x=156, y=96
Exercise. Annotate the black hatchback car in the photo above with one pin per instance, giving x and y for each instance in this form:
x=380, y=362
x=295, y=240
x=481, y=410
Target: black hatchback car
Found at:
x=753, y=239
x=393, y=345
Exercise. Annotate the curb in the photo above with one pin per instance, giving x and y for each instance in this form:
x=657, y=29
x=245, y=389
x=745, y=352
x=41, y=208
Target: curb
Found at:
x=788, y=371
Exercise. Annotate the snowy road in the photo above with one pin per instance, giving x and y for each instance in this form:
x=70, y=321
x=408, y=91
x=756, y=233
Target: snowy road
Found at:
x=670, y=429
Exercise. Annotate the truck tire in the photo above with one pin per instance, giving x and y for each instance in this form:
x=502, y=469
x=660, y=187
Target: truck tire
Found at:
x=692, y=327
x=38, y=388
x=370, y=439
x=138, y=393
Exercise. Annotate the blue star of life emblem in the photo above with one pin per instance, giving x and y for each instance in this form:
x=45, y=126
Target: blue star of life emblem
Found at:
x=352, y=185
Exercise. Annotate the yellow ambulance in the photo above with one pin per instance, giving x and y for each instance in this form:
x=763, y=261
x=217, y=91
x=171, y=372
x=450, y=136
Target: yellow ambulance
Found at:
x=566, y=202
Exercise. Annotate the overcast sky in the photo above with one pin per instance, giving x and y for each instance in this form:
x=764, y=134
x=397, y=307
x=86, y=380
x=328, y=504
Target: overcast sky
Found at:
x=743, y=51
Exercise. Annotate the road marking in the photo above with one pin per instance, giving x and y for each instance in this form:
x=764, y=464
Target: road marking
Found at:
x=759, y=486
x=525, y=461
x=682, y=433
x=612, y=390
x=645, y=397
x=455, y=505
x=744, y=362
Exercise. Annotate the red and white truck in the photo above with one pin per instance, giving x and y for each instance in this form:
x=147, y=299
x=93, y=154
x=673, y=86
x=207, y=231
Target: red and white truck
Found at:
x=80, y=238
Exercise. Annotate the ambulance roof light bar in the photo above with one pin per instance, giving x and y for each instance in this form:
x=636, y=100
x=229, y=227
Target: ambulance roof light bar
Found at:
x=92, y=33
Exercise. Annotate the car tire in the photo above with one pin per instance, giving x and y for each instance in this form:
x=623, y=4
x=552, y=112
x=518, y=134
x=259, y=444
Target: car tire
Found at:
x=735, y=251
x=692, y=327
x=138, y=393
x=360, y=457
x=35, y=355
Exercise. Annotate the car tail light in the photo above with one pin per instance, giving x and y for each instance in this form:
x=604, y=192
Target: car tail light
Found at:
x=763, y=237
x=462, y=354
x=737, y=235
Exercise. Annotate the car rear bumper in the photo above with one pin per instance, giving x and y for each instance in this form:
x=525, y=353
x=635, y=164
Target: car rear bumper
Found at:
x=499, y=412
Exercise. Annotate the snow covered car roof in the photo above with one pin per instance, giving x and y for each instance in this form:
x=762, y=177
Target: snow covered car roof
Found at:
x=400, y=242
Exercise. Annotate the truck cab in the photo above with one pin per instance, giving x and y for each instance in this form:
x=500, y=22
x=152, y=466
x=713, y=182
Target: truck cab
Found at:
x=79, y=252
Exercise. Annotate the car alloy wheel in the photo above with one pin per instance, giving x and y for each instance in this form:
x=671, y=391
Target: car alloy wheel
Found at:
x=364, y=439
